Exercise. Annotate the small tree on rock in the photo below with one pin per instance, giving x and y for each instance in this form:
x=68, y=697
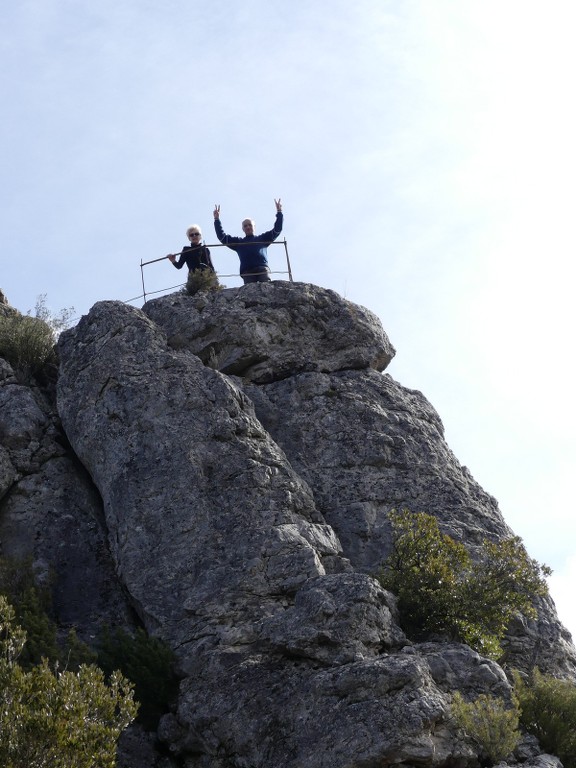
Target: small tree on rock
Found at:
x=442, y=591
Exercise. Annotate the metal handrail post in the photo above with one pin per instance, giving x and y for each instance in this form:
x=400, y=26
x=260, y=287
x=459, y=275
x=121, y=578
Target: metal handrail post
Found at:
x=288, y=260
x=143, y=286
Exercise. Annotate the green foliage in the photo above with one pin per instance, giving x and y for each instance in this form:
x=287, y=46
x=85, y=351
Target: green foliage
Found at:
x=27, y=342
x=33, y=606
x=148, y=663
x=12, y=637
x=442, y=591
x=76, y=653
x=504, y=581
x=52, y=719
x=548, y=711
x=202, y=280
x=490, y=724
x=422, y=571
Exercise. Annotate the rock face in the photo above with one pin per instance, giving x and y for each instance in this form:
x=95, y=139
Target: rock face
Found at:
x=275, y=332
x=233, y=459
x=51, y=512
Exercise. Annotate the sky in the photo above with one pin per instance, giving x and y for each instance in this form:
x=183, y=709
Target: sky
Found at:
x=425, y=156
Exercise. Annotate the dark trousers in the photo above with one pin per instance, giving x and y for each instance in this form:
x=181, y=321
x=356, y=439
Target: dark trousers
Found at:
x=256, y=277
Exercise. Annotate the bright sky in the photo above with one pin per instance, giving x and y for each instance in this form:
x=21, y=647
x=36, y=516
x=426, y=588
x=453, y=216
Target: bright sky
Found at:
x=424, y=151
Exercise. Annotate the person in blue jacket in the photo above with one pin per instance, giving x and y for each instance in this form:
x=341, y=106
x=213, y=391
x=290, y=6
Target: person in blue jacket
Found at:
x=196, y=255
x=251, y=249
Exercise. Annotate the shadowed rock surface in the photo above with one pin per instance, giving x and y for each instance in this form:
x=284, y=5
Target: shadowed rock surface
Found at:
x=233, y=459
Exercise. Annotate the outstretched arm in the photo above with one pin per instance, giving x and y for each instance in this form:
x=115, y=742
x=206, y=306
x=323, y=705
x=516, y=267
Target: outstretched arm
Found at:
x=220, y=234
x=273, y=234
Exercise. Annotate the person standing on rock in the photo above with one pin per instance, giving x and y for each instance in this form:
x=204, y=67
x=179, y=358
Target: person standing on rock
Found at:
x=196, y=255
x=252, y=249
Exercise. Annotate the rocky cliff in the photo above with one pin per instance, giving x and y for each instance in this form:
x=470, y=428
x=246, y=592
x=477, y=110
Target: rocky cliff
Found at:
x=219, y=468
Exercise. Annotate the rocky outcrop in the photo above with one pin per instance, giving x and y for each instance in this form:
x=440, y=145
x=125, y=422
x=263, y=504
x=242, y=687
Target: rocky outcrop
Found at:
x=51, y=512
x=231, y=462
x=273, y=332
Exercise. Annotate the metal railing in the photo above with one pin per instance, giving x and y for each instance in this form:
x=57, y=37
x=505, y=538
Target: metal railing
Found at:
x=143, y=264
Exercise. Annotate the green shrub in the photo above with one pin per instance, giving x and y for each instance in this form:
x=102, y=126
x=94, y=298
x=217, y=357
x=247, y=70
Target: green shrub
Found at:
x=422, y=570
x=33, y=609
x=202, y=280
x=490, y=724
x=27, y=342
x=502, y=582
x=32, y=604
x=52, y=719
x=442, y=591
x=145, y=661
x=548, y=711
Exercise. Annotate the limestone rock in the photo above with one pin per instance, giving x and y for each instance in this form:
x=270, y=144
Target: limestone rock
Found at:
x=245, y=491
x=190, y=482
x=335, y=619
x=367, y=445
x=386, y=710
x=223, y=466
x=50, y=512
x=267, y=331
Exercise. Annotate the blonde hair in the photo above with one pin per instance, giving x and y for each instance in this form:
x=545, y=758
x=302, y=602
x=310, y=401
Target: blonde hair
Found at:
x=193, y=228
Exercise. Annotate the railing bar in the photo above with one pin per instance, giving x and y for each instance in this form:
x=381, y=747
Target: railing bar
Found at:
x=217, y=245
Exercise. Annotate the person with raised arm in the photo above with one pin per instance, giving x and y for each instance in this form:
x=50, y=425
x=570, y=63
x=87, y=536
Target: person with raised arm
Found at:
x=252, y=249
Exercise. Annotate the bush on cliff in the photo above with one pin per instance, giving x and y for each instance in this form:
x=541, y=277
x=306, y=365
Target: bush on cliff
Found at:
x=33, y=608
x=490, y=724
x=57, y=719
x=148, y=663
x=27, y=342
x=202, y=280
x=548, y=711
x=442, y=591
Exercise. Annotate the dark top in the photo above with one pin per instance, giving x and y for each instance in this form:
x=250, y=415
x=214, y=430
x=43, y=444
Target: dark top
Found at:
x=195, y=257
x=251, y=250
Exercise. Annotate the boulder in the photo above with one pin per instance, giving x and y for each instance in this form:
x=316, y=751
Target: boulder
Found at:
x=269, y=331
